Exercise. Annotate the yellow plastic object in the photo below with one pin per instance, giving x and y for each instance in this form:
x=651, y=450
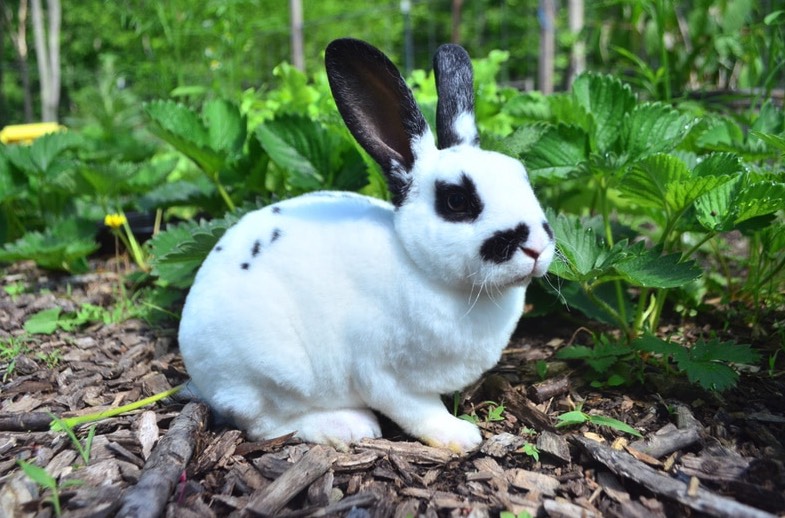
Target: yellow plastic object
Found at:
x=26, y=133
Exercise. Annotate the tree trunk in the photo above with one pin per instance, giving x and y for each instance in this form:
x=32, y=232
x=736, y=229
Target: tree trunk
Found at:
x=578, y=53
x=456, y=21
x=19, y=39
x=547, y=45
x=47, y=51
x=296, y=21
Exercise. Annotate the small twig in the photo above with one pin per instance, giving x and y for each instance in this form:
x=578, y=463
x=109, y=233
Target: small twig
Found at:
x=164, y=467
x=702, y=500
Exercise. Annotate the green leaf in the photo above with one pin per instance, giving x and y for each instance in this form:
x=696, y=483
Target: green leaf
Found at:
x=226, y=127
x=759, y=199
x=575, y=417
x=647, y=183
x=652, y=128
x=652, y=344
x=607, y=100
x=45, y=322
x=650, y=269
x=182, y=128
x=558, y=153
x=708, y=374
x=610, y=422
x=179, y=251
x=38, y=475
x=581, y=257
x=64, y=246
x=302, y=147
x=43, y=154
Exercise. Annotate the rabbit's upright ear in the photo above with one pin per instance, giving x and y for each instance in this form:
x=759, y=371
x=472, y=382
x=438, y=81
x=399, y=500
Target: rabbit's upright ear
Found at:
x=455, y=108
x=378, y=108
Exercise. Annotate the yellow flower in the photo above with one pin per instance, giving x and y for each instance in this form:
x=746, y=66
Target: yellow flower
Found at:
x=114, y=220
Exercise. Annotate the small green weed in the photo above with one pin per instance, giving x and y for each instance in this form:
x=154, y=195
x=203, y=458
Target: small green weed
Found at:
x=531, y=450
x=494, y=413
x=579, y=417
x=46, y=481
x=10, y=349
x=15, y=289
x=82, y=449
x=510, y=514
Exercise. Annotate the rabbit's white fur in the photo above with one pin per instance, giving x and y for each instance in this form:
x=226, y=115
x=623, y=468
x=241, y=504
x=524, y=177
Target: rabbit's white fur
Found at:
x=312, y=311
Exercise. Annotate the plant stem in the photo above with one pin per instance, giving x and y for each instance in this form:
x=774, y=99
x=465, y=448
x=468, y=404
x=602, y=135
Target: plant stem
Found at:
x=72, y=422
x=224, y=195
x=621, y=322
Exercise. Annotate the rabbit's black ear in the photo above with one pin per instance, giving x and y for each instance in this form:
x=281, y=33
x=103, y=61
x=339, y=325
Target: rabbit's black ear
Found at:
x=378, y=108
x=455, y=108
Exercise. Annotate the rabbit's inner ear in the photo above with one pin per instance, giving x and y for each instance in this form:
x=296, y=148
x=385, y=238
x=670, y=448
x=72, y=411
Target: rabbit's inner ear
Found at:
x=377, y=107
x=455, y=123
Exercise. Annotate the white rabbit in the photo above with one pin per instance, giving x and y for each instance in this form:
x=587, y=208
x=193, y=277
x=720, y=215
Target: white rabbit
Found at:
x=311, y=312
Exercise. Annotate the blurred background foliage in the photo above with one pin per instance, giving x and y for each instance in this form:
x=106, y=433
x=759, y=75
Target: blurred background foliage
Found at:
x=115, y=53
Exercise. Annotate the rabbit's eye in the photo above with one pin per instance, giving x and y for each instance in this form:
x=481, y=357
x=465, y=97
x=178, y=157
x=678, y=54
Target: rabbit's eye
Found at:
x=456, y=202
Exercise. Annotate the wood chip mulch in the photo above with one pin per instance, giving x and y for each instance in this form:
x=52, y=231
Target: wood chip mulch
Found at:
x=701, y=455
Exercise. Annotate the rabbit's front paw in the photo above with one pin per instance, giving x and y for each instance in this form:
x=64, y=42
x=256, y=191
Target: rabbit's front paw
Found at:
x=446, y=431
x=338, y=428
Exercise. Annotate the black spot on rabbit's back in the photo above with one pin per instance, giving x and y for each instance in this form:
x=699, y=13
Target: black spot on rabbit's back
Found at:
x=245, y=266
x=276, y=209
x=275, y=235
x=256, y=248
x=218, y=248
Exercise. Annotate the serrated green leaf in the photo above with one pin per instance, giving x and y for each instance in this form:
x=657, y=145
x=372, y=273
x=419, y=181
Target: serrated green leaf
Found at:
x=606, y=99
x=759, y=199
x=44, y=322
x=719, y=164
x=178, y=252
x=302, y=147
x=728, y=351
x=709, y=375
x=64, y=246
x=226, y=127
x=649, y=269
x=652, y=128
x=647, y=182
x=558, y=153
x=580, y=257
x=43, y=155
x=775, y=141
x=652, y=344
x=182, y=128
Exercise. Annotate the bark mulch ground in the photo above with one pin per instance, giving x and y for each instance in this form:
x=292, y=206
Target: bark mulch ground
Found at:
x=702, y=454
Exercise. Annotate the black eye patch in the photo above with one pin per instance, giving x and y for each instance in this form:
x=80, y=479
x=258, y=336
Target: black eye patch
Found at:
x=458, y=202
x=500, y=247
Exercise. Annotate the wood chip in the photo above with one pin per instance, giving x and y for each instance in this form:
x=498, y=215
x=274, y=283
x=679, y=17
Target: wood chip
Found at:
x=501, y=444
x=554, y=447
x=533, y=481
x=667, y=440
x=147, y=432
x=414, y=452
x=704, y=501
x=276, y=495
x=550, y=388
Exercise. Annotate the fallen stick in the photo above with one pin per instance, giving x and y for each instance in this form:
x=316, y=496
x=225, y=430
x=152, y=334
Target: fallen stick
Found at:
x=625, y=465
x=165, y=465
x=273, y=497
x=26, y=422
